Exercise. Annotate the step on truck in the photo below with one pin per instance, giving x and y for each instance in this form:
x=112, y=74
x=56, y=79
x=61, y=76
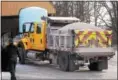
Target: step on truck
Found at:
x=63, y=41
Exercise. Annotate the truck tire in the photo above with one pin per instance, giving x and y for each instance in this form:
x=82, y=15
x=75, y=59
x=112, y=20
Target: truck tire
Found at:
x=50, y=61
x=63, y=61
x=22, y=55
x=72, y=65
x=95, y=66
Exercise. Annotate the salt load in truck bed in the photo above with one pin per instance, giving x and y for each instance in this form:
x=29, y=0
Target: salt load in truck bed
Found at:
x=80, y=26
x=84, y=39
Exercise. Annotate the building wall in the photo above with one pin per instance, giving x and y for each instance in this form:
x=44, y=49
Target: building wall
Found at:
x=11, y=8
x=9, y=24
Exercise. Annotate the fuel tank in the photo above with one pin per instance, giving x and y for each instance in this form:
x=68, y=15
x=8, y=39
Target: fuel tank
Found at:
x=34, y=55
x=31, y=55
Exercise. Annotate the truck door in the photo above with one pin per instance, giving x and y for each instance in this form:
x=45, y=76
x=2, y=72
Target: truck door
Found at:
x=38, y=38
x=31, y=34
x=28, y=33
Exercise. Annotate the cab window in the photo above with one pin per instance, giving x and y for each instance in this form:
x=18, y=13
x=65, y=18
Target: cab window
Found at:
x=28, y=27
x=32, y=28
x=38, y=29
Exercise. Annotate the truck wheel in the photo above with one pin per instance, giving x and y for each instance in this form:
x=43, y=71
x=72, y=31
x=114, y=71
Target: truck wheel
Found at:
x=50, y=61
x=94, y=66
x=63, y=61
x=22, y=54
x=72, y=65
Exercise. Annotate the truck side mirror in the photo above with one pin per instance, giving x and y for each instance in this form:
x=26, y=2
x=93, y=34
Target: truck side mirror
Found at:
x=44, y=18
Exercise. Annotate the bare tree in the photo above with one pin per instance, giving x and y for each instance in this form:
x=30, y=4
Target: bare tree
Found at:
x=85, y=9
x=79, y=9
x=112, y=12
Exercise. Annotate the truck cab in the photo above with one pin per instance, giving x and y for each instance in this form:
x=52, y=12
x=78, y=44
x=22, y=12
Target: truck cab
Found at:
x=34, y=36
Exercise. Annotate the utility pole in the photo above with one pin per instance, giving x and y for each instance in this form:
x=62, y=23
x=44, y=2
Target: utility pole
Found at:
x=95, y=15
x=72, y=8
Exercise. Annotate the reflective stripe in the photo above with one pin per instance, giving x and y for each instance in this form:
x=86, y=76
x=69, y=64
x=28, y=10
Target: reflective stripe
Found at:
x=103, y=37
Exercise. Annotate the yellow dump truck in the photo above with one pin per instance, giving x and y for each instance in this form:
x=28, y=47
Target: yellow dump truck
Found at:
x=66, y=42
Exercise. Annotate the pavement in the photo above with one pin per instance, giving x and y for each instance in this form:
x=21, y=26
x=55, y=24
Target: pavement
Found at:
x=43, y=70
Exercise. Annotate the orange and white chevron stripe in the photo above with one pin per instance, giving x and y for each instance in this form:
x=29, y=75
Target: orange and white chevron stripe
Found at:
x=102, y=38
x=82, y=37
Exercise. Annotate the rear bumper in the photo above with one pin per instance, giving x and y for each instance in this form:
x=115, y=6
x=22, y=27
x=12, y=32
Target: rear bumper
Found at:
x=90, y=52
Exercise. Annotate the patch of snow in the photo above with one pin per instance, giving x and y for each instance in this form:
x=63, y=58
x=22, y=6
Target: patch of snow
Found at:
x=64, y=18
x=81, y=26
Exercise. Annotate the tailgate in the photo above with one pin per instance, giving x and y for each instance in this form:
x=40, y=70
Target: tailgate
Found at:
x=93, y=38
x=93, y=43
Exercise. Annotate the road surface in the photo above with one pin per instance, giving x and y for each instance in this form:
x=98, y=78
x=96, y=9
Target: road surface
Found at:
x=43, y=70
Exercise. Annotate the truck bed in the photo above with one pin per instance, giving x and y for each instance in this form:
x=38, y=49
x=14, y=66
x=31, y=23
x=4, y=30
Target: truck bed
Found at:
x=64, y=41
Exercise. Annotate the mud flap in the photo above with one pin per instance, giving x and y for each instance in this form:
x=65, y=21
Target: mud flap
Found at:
x=103, y=64
x=63, y=61
x=99, y=65
x=72, y=63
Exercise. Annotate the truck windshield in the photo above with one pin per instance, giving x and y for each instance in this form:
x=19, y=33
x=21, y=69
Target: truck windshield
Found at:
x=28, y=27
